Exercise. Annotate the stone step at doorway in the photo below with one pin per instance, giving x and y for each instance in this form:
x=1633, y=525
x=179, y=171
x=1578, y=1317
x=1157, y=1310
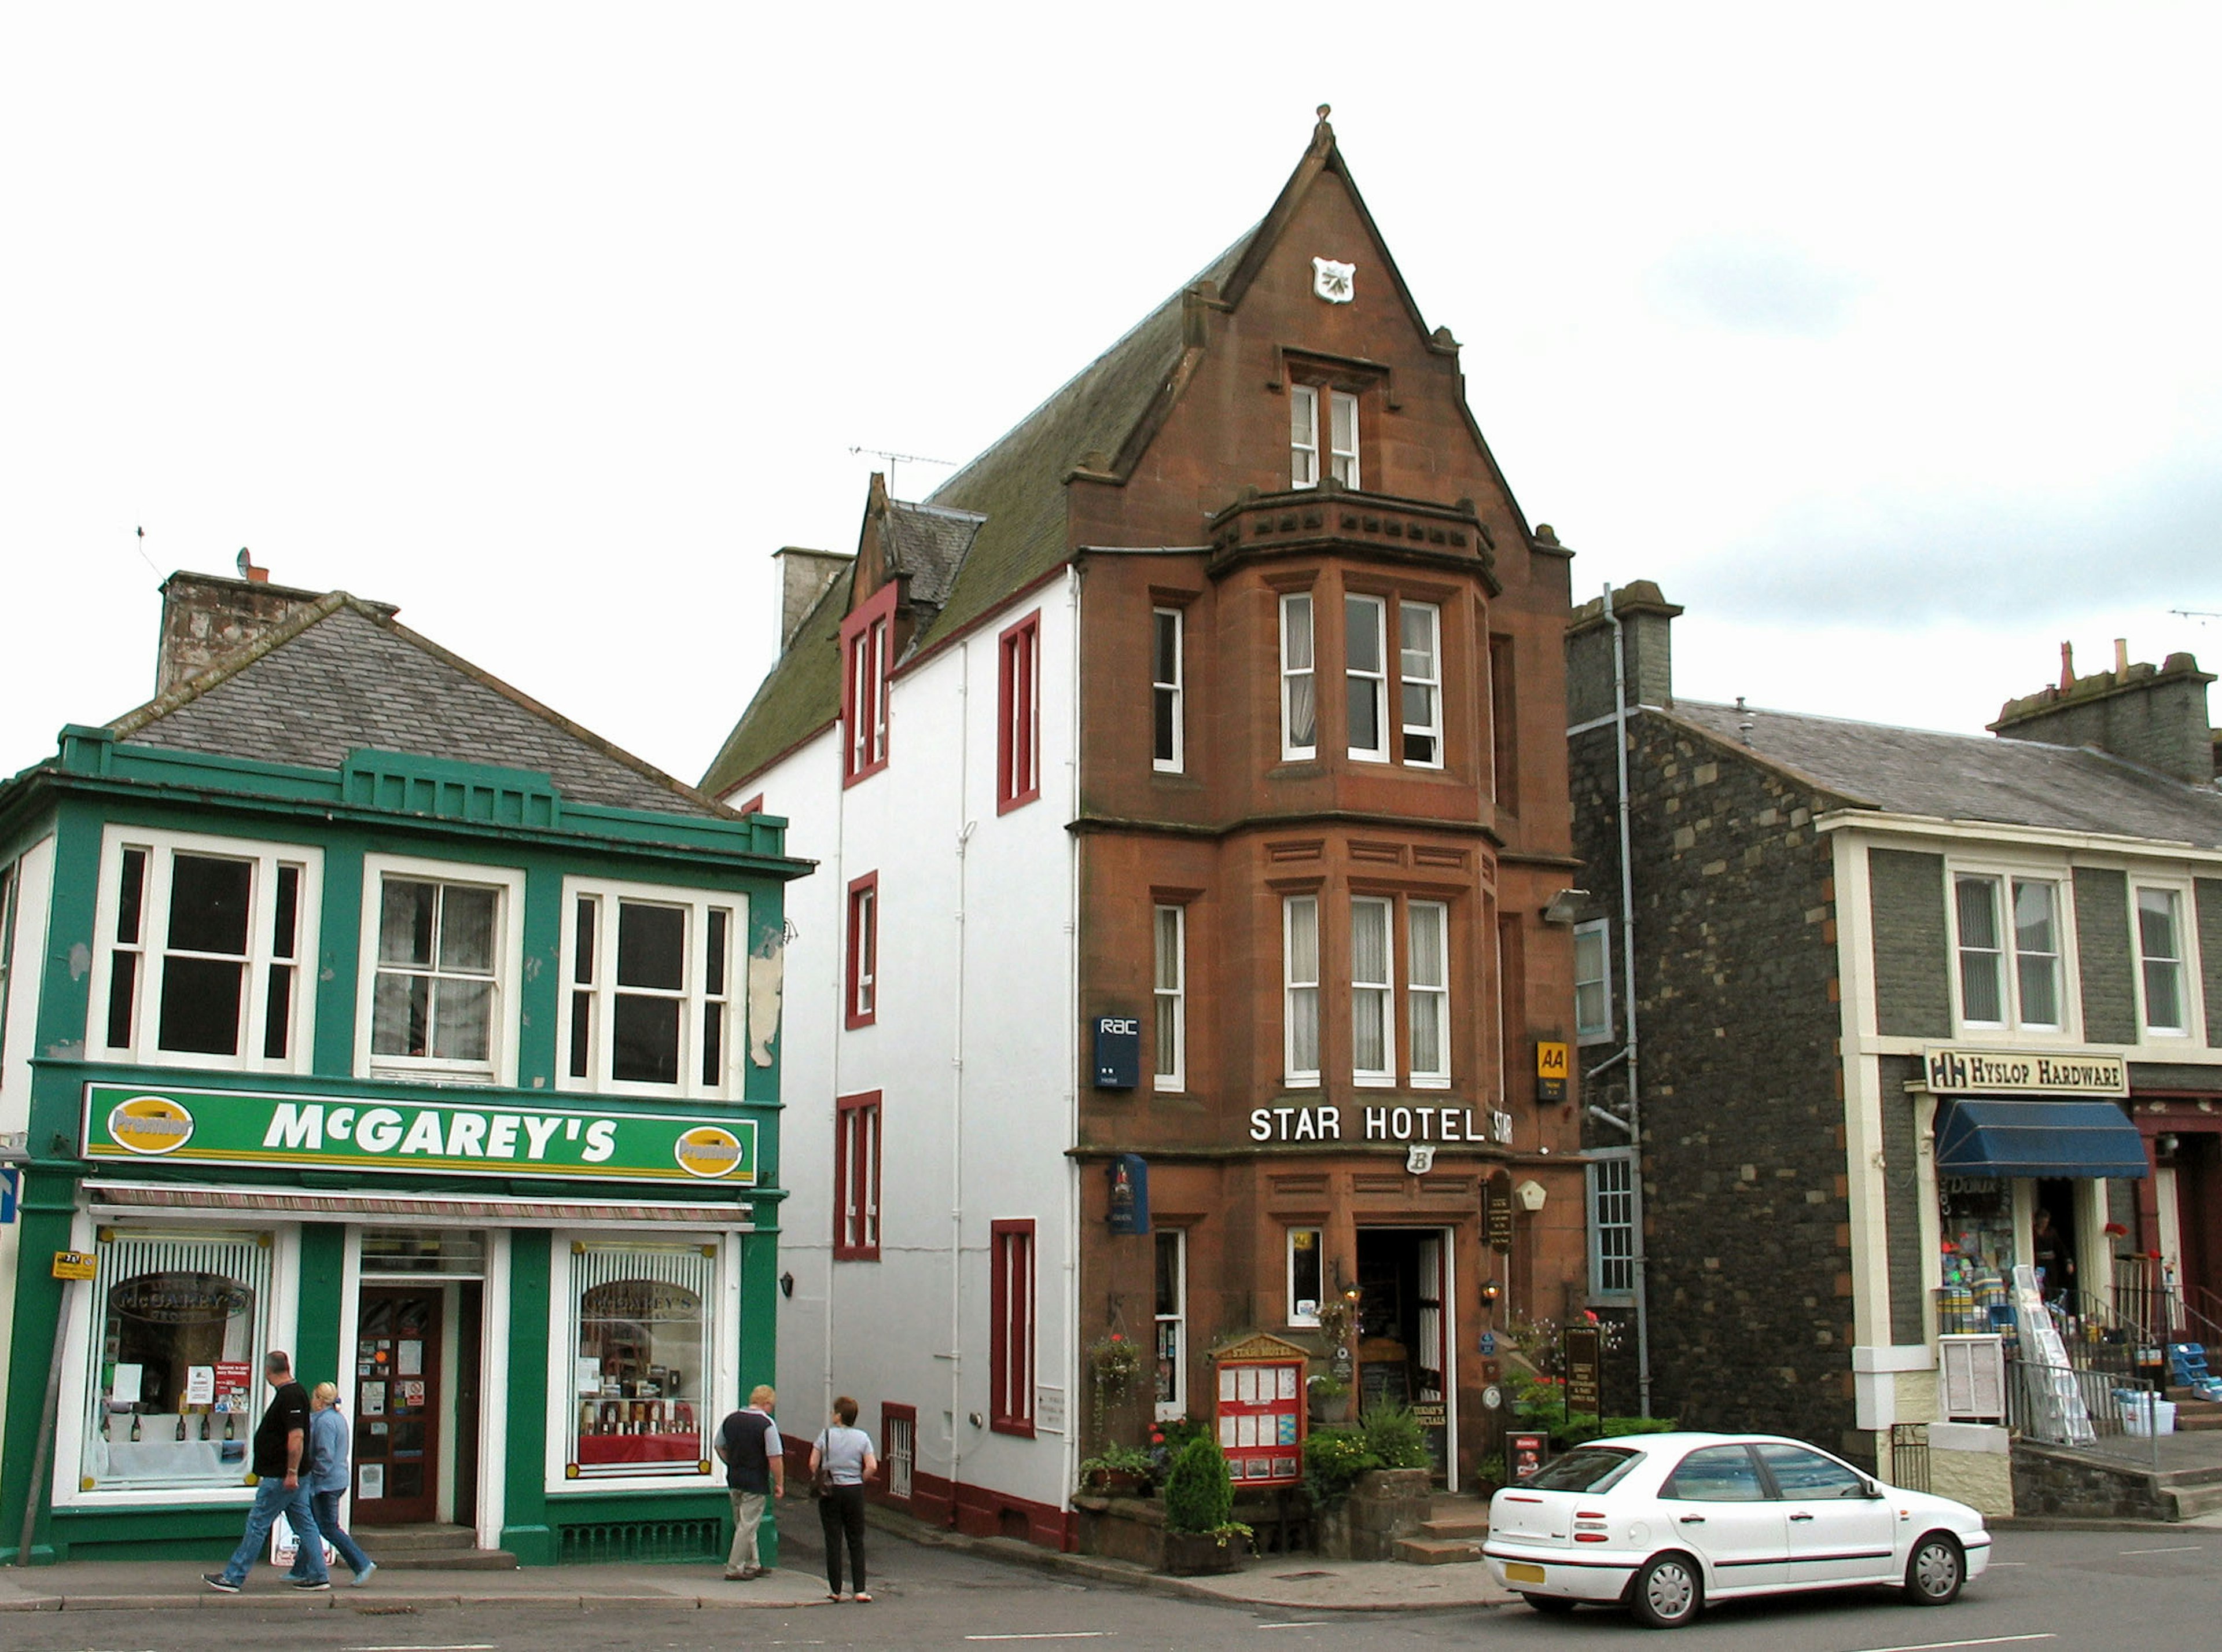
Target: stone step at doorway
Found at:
x=430, y=1548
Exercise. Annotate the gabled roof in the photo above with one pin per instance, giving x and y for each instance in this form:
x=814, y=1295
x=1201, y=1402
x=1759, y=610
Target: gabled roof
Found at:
x=1969, y=777
x=343, y=675
x=928, y=542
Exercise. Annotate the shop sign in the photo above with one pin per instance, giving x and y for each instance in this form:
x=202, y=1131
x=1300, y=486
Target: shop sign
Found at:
x=1439, y=1125
x=1500, y=1220
x=1526, y=1454
x=1118, y=1051
x=1550, y=1071
x=1585, y=1350
x=190, y=1126
x=1953, y=1070
x=1128, y=1194
x=11, y=1181
x=76, y=1265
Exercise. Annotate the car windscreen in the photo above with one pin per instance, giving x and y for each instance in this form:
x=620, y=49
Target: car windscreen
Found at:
x=1588, y=1468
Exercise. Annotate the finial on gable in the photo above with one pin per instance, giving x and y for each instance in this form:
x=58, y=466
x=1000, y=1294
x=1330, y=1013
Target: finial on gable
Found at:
x=1323, y=135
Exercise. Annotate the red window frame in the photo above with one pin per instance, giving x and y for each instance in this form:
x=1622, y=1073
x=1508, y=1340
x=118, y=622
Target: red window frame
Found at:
x=861, y=997
x=891, y=1412
x=858, y=1132
x=866, y=657
x=1011, y=1328
x=1018, y=714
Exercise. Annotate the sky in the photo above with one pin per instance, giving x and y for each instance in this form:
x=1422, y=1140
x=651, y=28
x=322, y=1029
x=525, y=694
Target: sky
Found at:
x=1886, y=340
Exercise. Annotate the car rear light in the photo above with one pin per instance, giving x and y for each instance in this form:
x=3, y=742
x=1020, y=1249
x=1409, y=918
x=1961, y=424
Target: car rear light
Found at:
x=1592, y=1537
x=1589, y=1514
x=1513, y=1497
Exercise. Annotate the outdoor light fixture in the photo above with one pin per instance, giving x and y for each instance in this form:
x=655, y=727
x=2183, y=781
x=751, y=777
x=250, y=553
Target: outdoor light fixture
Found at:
x=1491, y=1290
x=787, y=1284
x=1565, y=907
x=2164, y=1145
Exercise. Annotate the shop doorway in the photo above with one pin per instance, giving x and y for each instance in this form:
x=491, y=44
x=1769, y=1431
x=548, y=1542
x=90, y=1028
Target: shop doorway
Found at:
x=1406, y=1336
x=2057, y=1252
x=419, y=1349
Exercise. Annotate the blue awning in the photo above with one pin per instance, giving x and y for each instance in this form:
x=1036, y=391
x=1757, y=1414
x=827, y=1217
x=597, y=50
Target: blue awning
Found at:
x=2033, y=1138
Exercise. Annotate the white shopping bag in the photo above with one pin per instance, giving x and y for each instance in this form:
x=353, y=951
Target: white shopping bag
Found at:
x=285, y=1545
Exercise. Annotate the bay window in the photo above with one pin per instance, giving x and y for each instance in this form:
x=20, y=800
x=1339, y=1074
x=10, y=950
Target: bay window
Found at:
x=1419, y=626
x=651, y=1006
x=1299, y=990
x=1365, y=680
x=1299, y=697
x=1373, y=992
x=1427, y=992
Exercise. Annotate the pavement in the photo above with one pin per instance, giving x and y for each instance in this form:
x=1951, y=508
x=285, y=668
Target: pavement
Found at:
x=1295, y=1582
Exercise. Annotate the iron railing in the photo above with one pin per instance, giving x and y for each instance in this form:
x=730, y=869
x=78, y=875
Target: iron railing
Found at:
x=1909, y=1456
x=2083, y=1409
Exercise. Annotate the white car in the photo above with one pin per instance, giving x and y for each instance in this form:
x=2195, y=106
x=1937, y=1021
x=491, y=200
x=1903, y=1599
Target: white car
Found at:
x=1663, y=1523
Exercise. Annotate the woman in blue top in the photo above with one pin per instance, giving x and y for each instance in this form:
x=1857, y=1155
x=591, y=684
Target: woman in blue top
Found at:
x=844, y=1452
x=325, y=1477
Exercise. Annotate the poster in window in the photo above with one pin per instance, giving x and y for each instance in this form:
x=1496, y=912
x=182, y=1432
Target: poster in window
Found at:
x=1288, y=1382
x=412, y=1357
x=374, y=1399
x=370, y=1481
x=1226, y=1383
x=200, y=1384
x=128, y=1386
x=233, y=1380
x=412, y=1395
x=1226, y=1432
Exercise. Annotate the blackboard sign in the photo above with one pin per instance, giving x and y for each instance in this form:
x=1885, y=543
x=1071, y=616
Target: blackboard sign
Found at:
x=1586, y=1370
x=1500, y=1222
x=1383, y=1380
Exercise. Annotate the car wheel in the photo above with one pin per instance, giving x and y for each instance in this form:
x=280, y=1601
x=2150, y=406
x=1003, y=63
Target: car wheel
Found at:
x=1935, y=1570
x=1668, y=1592
x=1553, y=1603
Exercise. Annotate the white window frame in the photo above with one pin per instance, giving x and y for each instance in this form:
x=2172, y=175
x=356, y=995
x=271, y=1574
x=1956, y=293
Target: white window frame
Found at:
x=1296, y=909
x=1615, y=1165
x=1318, y=1246
x=1167, y=1410
x=1342, y=462
x=1310, y=671
x=692, y=997
x=1303, y=436
x=2005, y=879
x=162, y=848
x=1432, y=729
x=1170, y=998
x=1600, y=929
x=1174, y=689
x=508, y=881
x=1385, y=1076
x=2188, y=977
x=1376, y=681
x=1417, y=994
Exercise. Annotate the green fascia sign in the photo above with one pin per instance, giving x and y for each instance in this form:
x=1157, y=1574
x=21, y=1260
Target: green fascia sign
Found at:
x=129, y=1124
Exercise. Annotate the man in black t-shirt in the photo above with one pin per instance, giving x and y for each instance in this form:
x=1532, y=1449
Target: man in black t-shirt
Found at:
x=280, y=1446
x=756, y=1469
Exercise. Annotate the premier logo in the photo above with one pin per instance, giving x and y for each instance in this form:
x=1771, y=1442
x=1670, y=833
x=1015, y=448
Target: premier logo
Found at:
x=150, y=1124
x=708, y=1152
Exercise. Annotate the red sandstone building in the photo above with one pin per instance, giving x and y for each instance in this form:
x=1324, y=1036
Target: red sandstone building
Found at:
x=1187, y=778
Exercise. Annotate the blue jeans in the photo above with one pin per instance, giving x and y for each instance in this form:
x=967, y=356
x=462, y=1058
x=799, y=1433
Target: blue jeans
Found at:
x=272, y=1498
x=326, y=1505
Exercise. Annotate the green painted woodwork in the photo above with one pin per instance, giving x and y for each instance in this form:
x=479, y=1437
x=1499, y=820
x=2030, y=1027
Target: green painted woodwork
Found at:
x=317, y=1333
x=524, y=1531
x=43, y=1221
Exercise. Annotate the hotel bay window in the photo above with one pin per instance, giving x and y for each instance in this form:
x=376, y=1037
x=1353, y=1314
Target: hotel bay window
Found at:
x=1375, y=981
x=651, y=1007
x=1411, y=732
x=174, y=1386
x=201, y=945
x=643, y=1322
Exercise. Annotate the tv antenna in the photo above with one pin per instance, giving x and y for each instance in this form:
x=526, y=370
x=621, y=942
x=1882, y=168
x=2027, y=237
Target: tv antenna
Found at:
x=2187, y=614
x=895, y=459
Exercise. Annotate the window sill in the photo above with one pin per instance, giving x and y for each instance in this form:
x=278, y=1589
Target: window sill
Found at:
x=855, y=1254
x=1024, y=1429
x=863, y=774
x=1434, y=1085
x=1376, y=1081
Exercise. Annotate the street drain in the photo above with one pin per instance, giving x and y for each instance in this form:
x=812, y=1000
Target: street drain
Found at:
x=1298, y=1577
x=366, y=1610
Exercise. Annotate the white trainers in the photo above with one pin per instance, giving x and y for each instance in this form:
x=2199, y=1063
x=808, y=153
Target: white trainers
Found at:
x=363, y=1576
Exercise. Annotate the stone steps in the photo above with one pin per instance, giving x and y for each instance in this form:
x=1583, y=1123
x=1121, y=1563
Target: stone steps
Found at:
x=431, y=1549
x=1473, y=1527
x=1437, y=1551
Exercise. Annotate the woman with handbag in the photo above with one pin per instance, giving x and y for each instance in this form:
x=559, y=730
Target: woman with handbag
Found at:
x=841, y=1460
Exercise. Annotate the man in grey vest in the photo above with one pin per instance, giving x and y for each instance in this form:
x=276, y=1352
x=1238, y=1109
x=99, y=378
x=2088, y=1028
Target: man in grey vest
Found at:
x=755, y=1468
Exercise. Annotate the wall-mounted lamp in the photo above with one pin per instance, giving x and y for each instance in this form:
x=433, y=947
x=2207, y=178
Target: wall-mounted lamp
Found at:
x=787, y=1284
x=2164, y=1145
x=1565, y=907
x=1491, y=1290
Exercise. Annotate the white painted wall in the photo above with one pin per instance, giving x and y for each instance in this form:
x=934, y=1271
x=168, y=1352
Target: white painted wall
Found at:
x=973, y=1052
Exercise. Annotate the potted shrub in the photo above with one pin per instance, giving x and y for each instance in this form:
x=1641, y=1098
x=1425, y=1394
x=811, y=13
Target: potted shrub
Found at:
x=1330, y=1398
x=1201, y=1534
x=1117, y=1470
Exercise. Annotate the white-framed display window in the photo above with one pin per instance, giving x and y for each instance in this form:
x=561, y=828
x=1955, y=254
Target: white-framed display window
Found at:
x=1612, y=1177
x=1372, y=990
x=1307, y=1274
x=2168, y=968
x=171, y=1332
x=1299, y=990
x=652, y=1003
x=2010, y=950
x=442, y=952
x=1366, y=675
x=643, y=1356
x=1169, y=995
x=1427, y=992
x=1170, y=1310
x=1168, y=692
x=204, y=951
x=1593, y=981
x=1299, y=679
x=1420, y=689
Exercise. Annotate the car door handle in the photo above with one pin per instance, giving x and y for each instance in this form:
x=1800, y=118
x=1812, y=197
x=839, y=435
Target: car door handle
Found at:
x=1800, y=1516
x=1693, y=1520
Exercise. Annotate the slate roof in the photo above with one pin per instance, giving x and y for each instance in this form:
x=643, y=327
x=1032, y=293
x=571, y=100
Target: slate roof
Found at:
x=1971, y=777
x=928, y=542
x=344, y=674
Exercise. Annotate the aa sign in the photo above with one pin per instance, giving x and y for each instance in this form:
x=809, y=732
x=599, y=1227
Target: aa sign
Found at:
x=1550, y=1073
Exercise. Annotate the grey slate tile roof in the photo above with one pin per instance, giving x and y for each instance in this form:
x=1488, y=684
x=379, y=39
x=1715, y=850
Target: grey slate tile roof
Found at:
x=928, y=542
x=1971, y=777
x=344, y=675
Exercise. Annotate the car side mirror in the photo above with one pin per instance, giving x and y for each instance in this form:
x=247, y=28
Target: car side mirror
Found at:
x=1873, y=1489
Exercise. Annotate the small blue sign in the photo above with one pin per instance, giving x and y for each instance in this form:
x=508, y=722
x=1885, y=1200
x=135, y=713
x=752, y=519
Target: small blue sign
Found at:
x=1129, y=1177
x=11, y=1181
x=1489, y=1342
x=1118, y=1051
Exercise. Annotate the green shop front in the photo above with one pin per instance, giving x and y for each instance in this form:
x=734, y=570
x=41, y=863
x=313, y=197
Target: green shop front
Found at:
x=460, y=1090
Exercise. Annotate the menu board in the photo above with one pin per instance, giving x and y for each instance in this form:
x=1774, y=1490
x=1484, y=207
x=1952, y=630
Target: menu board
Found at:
x=1261, y=1420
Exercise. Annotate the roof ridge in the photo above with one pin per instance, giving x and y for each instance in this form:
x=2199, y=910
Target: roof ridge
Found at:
x=937, y=510
x=228, y=665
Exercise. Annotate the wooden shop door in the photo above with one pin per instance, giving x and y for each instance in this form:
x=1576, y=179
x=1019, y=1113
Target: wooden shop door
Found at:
x=397, y=1405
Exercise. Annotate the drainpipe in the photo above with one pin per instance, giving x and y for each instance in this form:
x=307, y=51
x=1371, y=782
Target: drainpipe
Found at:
x=1073, y=1200
x=958, y=1420
x=1628, y=1006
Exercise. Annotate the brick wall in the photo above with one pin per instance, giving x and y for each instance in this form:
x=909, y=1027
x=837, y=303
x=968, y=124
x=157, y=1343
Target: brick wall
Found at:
x=1901, y=1194
x=1744, y=1176
x=1913, y=943
x=2210, y=954
x=2102, y=941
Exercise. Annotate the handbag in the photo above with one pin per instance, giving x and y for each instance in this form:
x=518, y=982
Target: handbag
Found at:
x=821, y=1483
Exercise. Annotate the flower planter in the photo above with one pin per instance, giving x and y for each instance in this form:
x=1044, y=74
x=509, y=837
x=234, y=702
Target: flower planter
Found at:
x=1196, y=1555
x=1384, y=1504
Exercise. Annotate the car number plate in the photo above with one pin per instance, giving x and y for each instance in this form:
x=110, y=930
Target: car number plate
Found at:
x=1521, y=1572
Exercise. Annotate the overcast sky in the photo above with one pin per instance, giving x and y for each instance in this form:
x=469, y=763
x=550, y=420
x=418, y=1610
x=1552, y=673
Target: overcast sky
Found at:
x=1886, y=340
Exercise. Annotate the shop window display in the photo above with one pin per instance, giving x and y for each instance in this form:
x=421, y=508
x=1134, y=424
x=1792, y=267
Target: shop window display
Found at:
x=175, y=1389
x=1975, y=1215
x=641, y=1332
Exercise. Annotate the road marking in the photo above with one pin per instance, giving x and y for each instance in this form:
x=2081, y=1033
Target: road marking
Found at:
x=1048, y=1634
x=1300, y=1622
x=1941, y=1646
x=2180, y=1548
x=472, y=1646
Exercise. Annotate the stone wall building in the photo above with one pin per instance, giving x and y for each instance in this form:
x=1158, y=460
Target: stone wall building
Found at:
x=1852, y=943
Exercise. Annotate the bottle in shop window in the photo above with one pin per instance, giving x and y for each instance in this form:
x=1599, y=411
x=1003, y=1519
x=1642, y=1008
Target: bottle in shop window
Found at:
x=181, y=1424
x=228, y=1416
x=204, y=1425
x=134, y=1425
x=107, y=1423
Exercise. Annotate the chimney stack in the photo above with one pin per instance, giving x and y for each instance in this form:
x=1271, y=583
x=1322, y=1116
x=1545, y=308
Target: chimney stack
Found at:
x=205, y=617
x=804, y=577
x=2154, y=716
x=1646, y=621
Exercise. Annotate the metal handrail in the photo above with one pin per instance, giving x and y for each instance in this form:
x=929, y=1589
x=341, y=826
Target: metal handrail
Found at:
x=2040, y=1405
